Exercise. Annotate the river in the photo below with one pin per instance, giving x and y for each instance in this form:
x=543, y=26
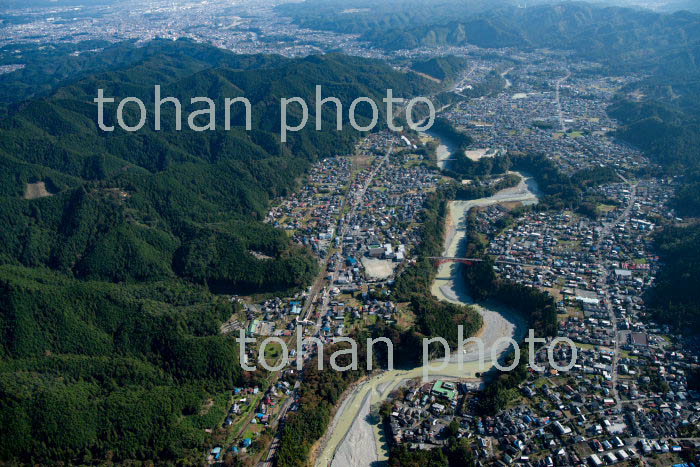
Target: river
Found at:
x=354, y=438
x=445, y=149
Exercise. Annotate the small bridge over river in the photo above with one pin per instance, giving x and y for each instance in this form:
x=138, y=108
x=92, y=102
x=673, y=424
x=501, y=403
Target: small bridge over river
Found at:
x=449, y=259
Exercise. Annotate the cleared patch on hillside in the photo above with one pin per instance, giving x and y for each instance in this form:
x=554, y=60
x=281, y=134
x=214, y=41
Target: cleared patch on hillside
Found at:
x=36, y=190
x=427, y=76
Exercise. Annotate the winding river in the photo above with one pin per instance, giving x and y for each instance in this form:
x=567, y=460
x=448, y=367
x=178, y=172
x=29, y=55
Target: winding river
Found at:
x=353, y=438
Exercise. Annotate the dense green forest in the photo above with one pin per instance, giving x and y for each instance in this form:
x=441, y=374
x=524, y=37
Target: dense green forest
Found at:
x=456, y=453
x=93, y=370
x=445, y=128
x=562, y=191
x=443, y=68
x=113, y=242
x=668, y=132
x=463, y=167
x=171, y=203
x=110, y=330
x=675, y=298
x=666, y=126
x=48, y=66
x=687, y=199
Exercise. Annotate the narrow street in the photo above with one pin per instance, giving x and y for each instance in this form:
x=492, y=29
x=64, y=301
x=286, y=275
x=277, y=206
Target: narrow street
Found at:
x=560, y=113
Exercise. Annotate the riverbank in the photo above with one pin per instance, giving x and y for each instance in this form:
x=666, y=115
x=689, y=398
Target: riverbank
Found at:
x=319, y=447
x=445, y=149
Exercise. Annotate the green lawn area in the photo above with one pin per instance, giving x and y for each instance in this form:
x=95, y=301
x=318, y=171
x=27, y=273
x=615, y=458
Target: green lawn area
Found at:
x=272, y=352
x=539, y=382
x=348, y=321
x=668, y=339
x=212, y=413
x=605, y=208
x=371, y=319
x=405, y=318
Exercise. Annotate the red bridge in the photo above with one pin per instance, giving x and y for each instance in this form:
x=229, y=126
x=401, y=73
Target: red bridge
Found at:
x=448, y=259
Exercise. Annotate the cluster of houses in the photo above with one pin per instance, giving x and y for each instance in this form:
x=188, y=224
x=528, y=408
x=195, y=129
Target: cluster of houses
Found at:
x=421, y=416
x=530, y=116
x=596, y=268
x=251, y=408
x=311, y=213
x=360, y=214
x=629, y=383
x=627, y=399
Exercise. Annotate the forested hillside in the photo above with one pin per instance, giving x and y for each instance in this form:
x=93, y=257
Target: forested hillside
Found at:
x=113, y=242
x=91, y=370
x=159, y=204
x=442, y=68
x=675, y=298
x=49, y=66
x=666, y=126
x=617, y=35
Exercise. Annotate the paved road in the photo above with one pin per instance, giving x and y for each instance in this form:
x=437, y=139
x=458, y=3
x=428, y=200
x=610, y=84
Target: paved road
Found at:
x=269, y=459
x=608, y=303
x=351, y=435
x=558, y=101
x=624, y=215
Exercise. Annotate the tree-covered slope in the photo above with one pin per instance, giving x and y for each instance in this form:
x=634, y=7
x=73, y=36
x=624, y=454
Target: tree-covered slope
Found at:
x=129, y=206
x=113, y=242
x=49, y=66
x=675, y=298
x=98, y=370
x=442, y=68
x=620, y=36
